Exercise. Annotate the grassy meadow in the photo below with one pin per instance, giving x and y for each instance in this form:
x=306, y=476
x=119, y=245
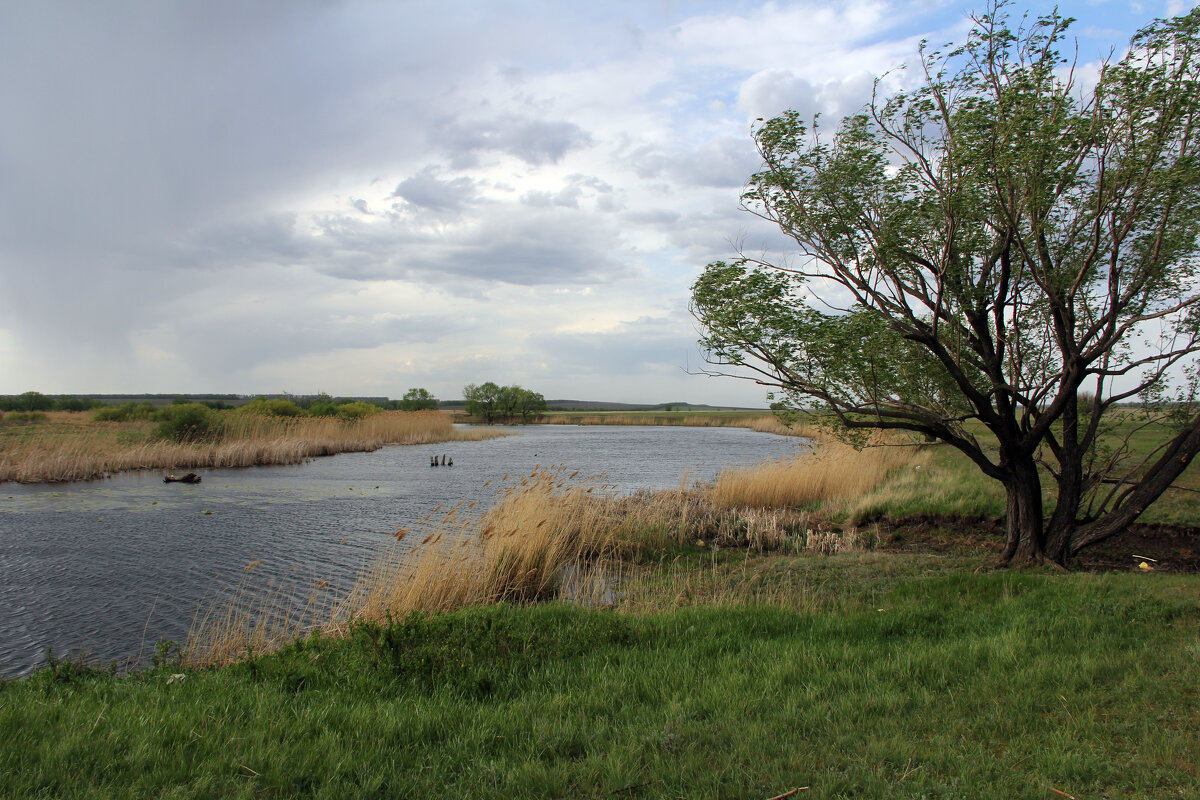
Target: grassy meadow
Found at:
x=894, y=676
x=765, y=635
x=75, y=446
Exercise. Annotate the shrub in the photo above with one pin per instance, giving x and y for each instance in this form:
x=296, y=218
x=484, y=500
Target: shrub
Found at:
x=187, y=423
x=325, y=408
x=126, y=412
x=357, y=410
x=29, y=401
x=272, y=407
x=76, y=404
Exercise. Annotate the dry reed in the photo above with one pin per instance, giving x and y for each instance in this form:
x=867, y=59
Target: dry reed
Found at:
x=833, y=472
x=71, y=450
x=552, y=535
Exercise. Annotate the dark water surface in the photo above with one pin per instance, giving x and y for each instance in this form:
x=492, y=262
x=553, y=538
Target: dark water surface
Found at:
x=110, y=567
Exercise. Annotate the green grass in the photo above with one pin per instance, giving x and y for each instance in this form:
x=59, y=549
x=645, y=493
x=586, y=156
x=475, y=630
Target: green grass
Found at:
x=905, y=678
x=947, y=483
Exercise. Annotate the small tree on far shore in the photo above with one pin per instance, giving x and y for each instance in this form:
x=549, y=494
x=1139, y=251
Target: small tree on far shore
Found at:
x=418, y=400
x=483, y=401
x=491, y=402
x=522, y=404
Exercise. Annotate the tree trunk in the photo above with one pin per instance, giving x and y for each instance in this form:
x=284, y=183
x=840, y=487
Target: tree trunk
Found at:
x=1173, y=461
x=1023, y=515
x=1070, y=487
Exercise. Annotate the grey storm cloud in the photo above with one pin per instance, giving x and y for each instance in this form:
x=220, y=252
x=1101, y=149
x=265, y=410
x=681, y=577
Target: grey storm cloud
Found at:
x=510, y=244
x=649, y=344
x=524, y=247
x=427, y=190
x=208, y=346
x=576, y=188
x=536, y=142
x=722, y=163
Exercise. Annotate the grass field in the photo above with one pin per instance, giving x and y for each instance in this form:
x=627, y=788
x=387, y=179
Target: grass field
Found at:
x=896, y=676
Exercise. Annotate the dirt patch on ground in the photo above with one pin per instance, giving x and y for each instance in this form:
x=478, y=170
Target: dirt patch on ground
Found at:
x=1163, y=548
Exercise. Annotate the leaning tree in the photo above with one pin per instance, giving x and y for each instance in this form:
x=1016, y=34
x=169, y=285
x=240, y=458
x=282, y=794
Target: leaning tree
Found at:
x=1004, y=259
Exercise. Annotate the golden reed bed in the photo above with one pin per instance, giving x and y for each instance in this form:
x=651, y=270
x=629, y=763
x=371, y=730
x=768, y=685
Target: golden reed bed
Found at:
x=553, y=534
x=69, y=446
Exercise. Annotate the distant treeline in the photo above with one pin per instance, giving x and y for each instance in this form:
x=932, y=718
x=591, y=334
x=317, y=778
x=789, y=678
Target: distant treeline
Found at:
x=413, y=400
x=36, y=401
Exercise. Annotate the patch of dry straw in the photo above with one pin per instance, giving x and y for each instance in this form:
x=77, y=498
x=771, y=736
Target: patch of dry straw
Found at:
x=833, y=472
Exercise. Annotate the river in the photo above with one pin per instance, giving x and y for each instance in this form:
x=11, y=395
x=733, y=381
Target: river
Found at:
x=107, y=568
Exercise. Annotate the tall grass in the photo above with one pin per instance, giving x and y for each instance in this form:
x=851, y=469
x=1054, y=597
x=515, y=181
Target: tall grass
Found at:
x=834, y=472
x=73, y=450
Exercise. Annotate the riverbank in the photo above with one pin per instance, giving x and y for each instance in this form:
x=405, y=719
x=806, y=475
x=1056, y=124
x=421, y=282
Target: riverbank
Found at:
x=743, y=639
x=70, y=446
x=762, y=421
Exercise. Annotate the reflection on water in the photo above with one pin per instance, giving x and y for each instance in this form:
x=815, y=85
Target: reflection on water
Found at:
x=110, y=567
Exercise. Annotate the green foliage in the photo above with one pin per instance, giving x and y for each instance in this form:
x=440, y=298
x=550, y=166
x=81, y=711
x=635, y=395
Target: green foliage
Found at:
x=126, y=412
x=483, y=401
x=323, y=406
x=356, y=410
x=168, y=654
x=29, y=401
x=326, y=406
x=271, y=407
x=191, y=422
x=521, y=404
x=491, y=402
x=67, y=403
x=418, y=400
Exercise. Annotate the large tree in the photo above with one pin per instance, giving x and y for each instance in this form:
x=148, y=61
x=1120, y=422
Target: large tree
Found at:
x=996, y=259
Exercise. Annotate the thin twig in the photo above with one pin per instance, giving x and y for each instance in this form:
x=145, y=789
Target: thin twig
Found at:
x=789, y=794
x=1064, y=794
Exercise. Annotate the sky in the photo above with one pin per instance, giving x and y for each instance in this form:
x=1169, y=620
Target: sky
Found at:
x=359, y=198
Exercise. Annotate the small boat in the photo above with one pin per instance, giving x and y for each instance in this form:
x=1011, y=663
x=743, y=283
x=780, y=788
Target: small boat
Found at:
x=191, y=477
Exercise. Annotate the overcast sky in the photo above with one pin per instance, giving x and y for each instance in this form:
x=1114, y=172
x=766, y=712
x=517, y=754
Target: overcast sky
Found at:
x=363, y=197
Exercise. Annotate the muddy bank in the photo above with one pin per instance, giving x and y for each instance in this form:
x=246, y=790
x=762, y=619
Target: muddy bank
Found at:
x=1165, y=548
